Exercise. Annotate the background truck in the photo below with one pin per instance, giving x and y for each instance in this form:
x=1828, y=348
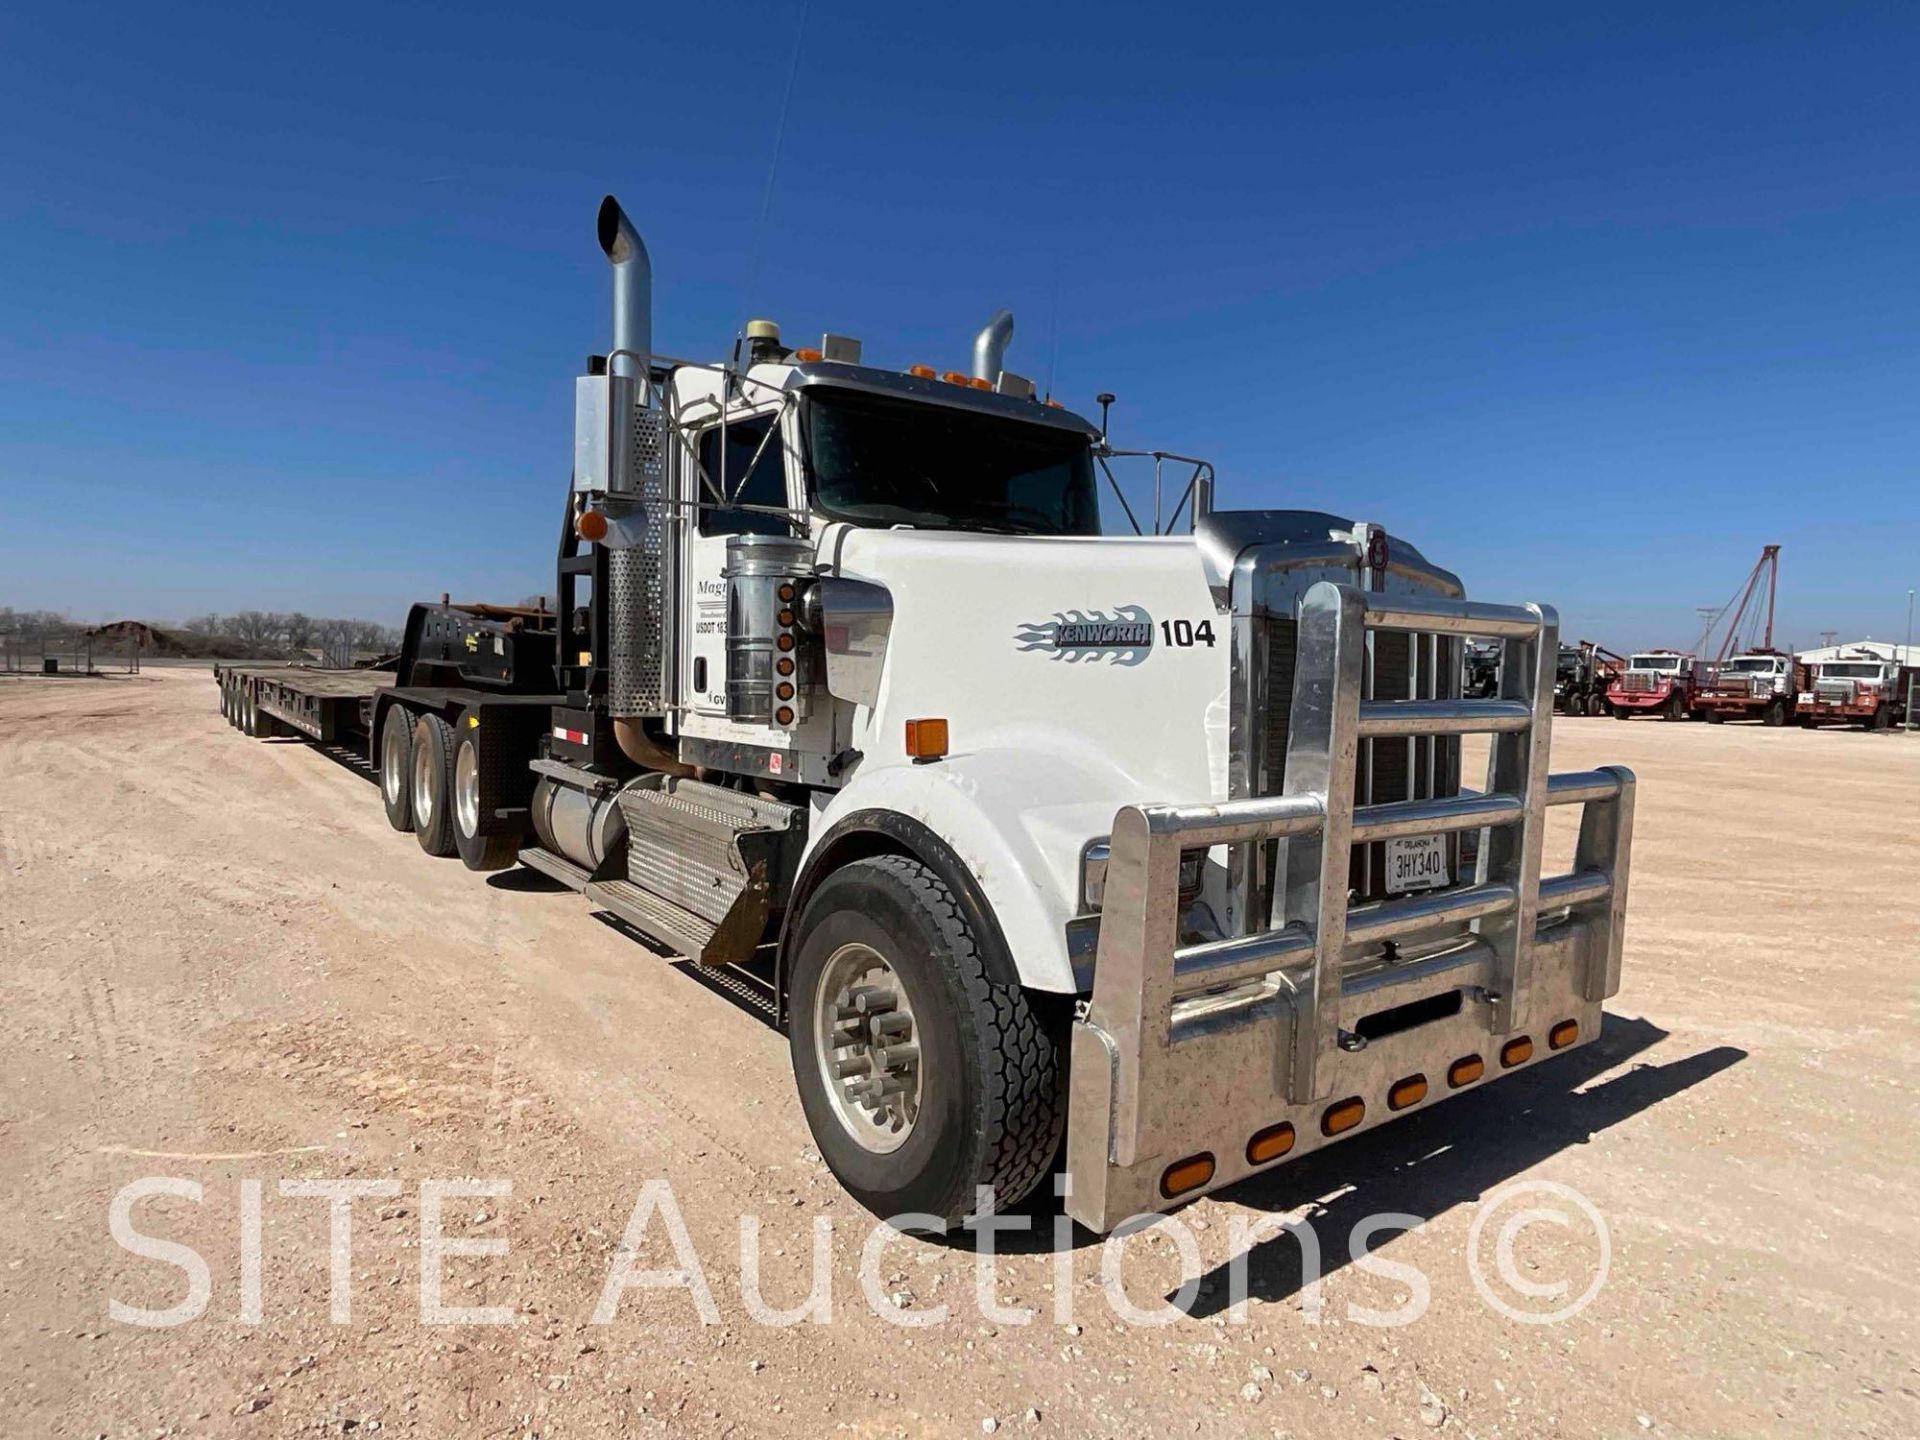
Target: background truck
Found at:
x=1655, y=682
x=1864, y=690
x=1585, y=672
x=1019, y=829
x=1756, y=686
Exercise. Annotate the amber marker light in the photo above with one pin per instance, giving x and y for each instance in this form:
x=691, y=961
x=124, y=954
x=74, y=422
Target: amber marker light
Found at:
x=954, y=377
x=1516, y=1051
x=1343, y=1116
x=1270, y=1143
x=922, y=372
x=592, y=525
x=1186, y=1175
x=1563, y=1034
x=806, y=357
x=1465, y=1070
x=926, y=739
x=1410, y=1091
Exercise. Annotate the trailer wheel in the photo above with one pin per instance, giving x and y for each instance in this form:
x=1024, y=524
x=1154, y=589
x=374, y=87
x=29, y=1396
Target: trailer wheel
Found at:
x=396, y=767
x=1775, y=713
x=921, y=1076
x=432, y=786
x=477, y=851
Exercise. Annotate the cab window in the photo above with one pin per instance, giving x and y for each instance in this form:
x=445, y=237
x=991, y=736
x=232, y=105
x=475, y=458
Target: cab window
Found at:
x=766, y=479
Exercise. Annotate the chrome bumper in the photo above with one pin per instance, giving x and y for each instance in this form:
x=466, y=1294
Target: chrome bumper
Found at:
x=1196, y=1066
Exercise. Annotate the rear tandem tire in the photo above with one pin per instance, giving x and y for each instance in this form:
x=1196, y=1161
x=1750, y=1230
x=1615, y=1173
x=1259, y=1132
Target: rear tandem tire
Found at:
x=477, y=852
x=396, y=767
x=432, y=777
x=989, y=1066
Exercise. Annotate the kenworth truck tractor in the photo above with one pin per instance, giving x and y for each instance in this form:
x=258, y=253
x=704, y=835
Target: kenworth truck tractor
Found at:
x=1024, y=830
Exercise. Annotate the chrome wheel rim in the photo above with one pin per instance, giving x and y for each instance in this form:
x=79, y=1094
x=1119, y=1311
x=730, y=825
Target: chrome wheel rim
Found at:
x=393, y=770
x=466, y=789
x=422, y=785
x=868, y=1048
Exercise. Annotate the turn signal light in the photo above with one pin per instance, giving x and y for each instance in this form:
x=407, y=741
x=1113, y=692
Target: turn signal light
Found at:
x=926, y=739
x=923, y=372
x=1343, y=1116
x=806, y=357
x=783, y=715
x=785, y=642
x=1516, y=1051
x=1465, y=1070
x=591, y=525
x=784, y=664
x=1563, y=1034
x=1410, y=1091
x=783, y=690
x=786, y=598
x=1270, y=1144
x=1187, y=1175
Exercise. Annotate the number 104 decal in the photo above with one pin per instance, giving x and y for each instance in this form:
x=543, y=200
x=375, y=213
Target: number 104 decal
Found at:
x=1184, y=634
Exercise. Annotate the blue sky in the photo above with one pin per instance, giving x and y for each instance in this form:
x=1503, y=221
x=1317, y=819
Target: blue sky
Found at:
x=1590, y=302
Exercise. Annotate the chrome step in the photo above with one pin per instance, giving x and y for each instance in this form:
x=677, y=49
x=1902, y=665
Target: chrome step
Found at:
x=555, y=867
x=705, y=867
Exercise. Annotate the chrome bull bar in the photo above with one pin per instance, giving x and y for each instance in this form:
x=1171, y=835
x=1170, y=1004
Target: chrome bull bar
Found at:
x=1186, y=1055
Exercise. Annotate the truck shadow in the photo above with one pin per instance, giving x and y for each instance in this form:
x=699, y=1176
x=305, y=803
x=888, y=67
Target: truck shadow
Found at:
x=1431, y=1162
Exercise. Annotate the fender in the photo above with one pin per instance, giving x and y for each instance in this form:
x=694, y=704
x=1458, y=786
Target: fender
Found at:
x=1005, y=825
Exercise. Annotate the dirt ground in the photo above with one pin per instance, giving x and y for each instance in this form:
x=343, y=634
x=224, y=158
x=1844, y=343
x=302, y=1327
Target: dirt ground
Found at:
x=220, y=965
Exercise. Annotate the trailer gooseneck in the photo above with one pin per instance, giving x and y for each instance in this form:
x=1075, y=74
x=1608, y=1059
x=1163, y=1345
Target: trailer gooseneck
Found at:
x=1154, y=841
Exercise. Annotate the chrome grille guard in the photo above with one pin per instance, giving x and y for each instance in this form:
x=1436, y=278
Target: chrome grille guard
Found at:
x=1186, y=1055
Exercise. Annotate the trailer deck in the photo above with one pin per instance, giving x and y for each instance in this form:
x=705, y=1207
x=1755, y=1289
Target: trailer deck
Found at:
x=330, y=706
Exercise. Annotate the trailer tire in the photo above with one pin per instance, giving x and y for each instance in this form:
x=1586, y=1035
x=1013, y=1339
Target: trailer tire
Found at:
x=989, y=1070
x=432, y=787
x=396, y=767
x=477, y=851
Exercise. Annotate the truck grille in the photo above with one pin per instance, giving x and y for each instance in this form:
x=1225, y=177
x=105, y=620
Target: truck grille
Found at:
x=1834, y=692
x=1401, y=666
x=1638, y=684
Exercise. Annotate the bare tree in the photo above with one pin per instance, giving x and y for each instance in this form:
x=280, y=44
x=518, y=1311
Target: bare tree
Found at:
x=298, y=629
x=208, y=624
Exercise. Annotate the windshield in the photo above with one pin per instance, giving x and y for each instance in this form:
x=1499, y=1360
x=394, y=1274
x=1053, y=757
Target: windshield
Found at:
x=1666, y=664
x=1850, y=670
x=878, y=460
x=1753, y=665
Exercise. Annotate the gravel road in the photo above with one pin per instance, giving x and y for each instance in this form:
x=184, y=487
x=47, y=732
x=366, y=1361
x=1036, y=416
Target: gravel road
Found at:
x=221, y=967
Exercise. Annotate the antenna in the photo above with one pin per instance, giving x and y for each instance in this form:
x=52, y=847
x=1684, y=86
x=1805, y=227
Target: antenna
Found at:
x=1104, y=399
x=773, y=169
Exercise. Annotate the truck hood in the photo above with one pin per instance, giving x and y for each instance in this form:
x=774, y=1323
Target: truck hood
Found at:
x=1107, y=652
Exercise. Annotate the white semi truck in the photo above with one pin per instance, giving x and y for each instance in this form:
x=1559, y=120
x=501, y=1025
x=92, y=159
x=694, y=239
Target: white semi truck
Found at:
x=1144, y=855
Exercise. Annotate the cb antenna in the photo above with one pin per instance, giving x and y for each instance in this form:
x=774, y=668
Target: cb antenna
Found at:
x=1103, y=399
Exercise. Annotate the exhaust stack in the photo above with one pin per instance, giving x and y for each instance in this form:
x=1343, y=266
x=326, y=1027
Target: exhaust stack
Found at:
x=990, y=347
x=632, y=290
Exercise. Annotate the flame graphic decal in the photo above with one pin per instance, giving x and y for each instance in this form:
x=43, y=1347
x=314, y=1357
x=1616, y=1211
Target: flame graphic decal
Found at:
x=1120, y=637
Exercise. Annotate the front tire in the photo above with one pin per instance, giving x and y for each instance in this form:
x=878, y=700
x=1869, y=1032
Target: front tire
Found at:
x=432, y=786
x=922, y=1075
x=1775, y=714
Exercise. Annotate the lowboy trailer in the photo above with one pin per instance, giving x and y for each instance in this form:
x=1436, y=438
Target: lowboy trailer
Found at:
x=1154, y=841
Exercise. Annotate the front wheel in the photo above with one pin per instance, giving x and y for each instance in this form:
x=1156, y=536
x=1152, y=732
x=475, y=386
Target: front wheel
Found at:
x=1883, y=718
x=1715, y=717
x=1622, y=713
x=1676, y=708
x=1776, y=713
x=922, y=1076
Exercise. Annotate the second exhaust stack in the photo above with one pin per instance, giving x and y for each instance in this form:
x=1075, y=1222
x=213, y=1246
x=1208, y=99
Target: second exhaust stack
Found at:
x=990, y=347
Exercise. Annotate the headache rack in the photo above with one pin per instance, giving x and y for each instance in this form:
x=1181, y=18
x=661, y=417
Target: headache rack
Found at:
x=1195, y=1065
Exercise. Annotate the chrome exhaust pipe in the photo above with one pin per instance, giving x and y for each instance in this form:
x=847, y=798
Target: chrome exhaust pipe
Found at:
x=632, y=290
x=990, y=347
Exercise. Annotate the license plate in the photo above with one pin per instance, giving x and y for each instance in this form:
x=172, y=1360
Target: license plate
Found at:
x=1417, y=863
